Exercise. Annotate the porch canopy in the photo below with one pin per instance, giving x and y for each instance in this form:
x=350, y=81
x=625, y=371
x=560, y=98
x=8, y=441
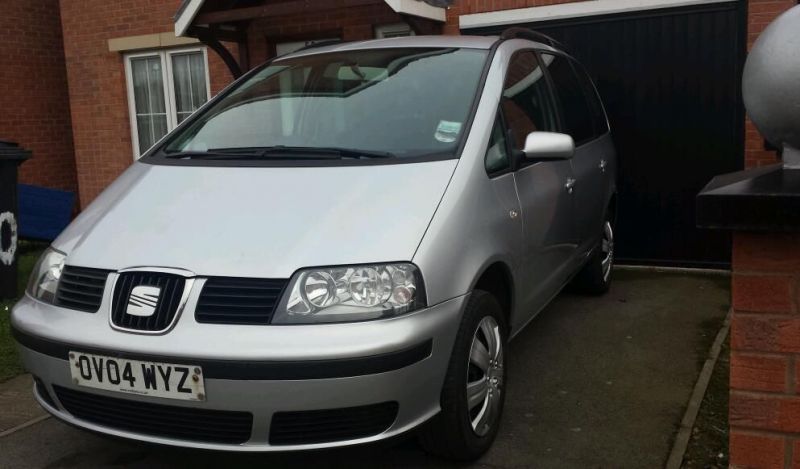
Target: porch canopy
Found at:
x=216, y=21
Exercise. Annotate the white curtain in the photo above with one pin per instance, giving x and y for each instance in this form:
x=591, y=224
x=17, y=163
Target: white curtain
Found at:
x=148, y=91
x=188, y=71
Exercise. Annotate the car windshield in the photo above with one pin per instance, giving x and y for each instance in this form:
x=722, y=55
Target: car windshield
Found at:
x=395, y=102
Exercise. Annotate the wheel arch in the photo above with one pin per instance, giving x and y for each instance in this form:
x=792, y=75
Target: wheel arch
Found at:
x=496, y=279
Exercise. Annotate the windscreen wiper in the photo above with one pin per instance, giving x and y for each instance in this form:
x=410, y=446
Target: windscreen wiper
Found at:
x=306, y=152
x=204, y=155
x=279, y=152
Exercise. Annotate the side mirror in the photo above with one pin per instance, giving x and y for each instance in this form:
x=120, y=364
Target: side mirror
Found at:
x=549, y=146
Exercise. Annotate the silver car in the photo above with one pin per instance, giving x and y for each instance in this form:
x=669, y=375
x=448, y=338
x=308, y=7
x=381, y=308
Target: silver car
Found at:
x=334, y=250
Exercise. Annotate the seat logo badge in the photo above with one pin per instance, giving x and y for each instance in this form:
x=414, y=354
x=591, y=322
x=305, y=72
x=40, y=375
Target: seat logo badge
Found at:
x=142, y=301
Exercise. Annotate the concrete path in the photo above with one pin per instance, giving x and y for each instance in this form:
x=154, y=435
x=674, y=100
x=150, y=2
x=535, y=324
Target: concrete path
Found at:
x=17, y=405
x=595, y=383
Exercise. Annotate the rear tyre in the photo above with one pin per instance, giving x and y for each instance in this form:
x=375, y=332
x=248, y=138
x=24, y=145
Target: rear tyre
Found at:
x=595, y=278
x=474, y=388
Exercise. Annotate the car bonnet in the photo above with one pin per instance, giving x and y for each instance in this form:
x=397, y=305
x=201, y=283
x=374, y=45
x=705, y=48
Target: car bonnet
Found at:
x=257, y=222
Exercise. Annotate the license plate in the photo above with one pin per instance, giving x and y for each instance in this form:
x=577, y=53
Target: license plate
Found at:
x=155, y=379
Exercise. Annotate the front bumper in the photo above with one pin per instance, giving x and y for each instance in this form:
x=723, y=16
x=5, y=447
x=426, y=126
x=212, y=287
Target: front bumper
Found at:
x=260, y=370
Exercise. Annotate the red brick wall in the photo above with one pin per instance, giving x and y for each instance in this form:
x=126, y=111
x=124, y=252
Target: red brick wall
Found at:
x=765, y=330
x=760, y=14
x=765, y=351
x=97, y=89
x=34, y=106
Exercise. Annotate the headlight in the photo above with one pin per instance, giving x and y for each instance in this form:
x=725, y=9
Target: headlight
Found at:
x=44, y=278
x=347, y=294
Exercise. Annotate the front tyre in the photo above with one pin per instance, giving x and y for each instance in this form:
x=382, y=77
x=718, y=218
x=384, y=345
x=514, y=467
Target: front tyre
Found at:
x=474, y=388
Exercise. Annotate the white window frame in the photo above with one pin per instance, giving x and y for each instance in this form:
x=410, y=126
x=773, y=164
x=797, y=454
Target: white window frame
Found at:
x=169, y=92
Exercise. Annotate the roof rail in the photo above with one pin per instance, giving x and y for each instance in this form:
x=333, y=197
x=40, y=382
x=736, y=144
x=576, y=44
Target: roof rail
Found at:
x=526, y=33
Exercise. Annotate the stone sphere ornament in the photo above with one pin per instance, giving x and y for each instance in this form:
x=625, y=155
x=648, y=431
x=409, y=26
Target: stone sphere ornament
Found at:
x=771, y=85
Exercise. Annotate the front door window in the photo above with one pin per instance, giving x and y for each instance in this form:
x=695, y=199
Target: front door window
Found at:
x=526, y=101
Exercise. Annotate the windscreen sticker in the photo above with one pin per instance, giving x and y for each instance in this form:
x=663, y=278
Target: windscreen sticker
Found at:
x=447, y=131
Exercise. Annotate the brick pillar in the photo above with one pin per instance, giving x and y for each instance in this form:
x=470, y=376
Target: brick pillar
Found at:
x=765, y=352
x=765, y=329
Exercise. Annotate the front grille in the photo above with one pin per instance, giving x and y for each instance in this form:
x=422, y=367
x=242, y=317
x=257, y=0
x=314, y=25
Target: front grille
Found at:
x=325, y=426
x=81, y=288
x=166, y=305
x=185, y=423
x=230, y=300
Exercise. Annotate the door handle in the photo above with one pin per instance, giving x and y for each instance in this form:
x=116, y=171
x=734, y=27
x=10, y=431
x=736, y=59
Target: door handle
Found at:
x=570, y=185
x=603, y=164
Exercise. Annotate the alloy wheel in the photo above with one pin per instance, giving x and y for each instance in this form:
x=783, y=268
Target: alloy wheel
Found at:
x=607, y=248
x=485, y=376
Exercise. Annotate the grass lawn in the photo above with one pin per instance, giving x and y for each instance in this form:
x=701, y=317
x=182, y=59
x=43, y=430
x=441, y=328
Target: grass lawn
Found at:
x=10, y=365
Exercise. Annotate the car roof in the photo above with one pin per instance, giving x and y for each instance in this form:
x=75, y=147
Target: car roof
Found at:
x=468, y=42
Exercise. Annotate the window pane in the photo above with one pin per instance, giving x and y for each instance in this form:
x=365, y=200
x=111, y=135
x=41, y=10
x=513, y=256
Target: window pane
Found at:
x=189, y=76
x=151, y=128
x=406, y=101
x=159, y=127
x=156, y=85
x=144, y=127
x=149, y=104
x=526, y=99
x=141, y=89
x=575, y=112
x=497, y=155
x=598, y=113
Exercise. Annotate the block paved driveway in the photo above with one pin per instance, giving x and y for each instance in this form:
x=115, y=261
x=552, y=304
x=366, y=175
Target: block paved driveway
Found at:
x=595, y=383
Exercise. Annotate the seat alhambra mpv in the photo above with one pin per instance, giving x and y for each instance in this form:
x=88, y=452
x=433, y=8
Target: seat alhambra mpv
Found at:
x=334, y=250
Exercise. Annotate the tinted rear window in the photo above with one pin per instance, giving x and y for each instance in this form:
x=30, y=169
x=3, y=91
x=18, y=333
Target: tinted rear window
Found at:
x=595, y=105
x=576, y=115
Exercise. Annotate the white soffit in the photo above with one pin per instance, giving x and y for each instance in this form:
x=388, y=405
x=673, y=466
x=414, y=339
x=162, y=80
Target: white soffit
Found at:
x=570, y=10
x=418, y=8
x=185, y=17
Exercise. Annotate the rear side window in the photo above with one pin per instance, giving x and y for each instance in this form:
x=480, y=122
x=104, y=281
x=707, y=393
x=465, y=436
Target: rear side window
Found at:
x=595, y=105
x=576, y=115
x=526, y=101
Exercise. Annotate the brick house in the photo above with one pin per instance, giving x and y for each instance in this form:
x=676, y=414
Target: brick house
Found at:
x=88, y=85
